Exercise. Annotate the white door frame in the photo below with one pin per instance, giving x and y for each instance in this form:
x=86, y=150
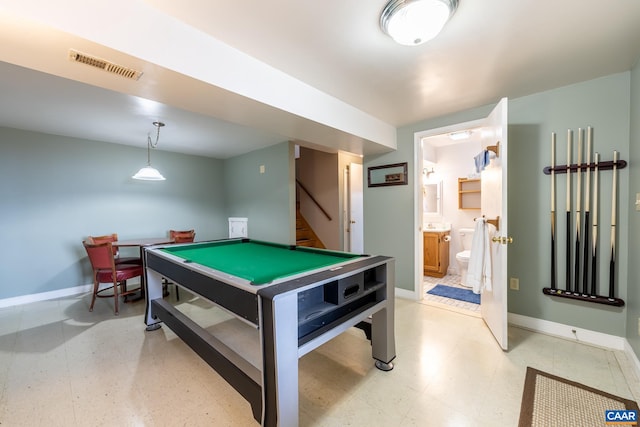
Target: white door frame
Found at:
x=356, y=207
x=418, y=161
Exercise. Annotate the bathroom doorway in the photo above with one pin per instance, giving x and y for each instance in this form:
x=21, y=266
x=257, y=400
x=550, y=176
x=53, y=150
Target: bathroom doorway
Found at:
x=492, y=134
x=448, y=157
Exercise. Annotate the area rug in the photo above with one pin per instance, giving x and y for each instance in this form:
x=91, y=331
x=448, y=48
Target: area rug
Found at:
x=455, y=293
x=549, y=401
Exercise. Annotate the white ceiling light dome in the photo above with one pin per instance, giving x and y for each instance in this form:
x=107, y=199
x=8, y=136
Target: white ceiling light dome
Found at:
x=413, y=22
x=149, y=173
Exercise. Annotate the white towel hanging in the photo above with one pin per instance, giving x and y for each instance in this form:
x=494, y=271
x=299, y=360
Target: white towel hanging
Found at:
x=479, y=273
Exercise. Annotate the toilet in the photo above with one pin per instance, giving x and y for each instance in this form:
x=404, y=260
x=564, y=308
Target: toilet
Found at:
x=462, y=258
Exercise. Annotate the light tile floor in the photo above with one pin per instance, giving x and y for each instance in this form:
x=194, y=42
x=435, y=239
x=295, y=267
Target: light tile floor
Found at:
x=448, y=303
x=63, y=366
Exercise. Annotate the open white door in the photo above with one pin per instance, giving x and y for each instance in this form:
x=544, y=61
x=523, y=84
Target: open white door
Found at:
x=356, y=209
x=494, y=205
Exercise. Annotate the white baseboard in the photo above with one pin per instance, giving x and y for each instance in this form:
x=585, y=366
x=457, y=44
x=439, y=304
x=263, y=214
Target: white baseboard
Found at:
x=586, y=336
x=569, y=332
x=43, y=296
x=631, y=355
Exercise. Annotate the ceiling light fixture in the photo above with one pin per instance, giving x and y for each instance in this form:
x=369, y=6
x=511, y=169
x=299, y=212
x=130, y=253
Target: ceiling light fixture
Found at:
x=460, y=135
x=413, y=22
x=149, y=173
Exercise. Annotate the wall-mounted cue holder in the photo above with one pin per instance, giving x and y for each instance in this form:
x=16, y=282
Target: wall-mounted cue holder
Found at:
x=599, y=299
x=603, y=166
x=582, y=226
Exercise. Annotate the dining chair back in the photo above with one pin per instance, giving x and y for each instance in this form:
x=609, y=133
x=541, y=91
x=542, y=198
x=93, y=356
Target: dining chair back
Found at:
x=105, y=270
x=182, y=236
x=113, y=237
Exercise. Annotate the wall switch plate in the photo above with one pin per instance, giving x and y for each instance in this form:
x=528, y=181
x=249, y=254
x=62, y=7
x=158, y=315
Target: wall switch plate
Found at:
x=262, y=169
x=514, y=284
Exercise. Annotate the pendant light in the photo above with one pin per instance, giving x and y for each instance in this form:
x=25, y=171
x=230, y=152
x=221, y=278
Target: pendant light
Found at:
x=149, y=173
x=413, y=22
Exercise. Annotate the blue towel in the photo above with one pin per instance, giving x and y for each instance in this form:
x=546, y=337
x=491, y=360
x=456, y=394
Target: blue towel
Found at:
x=481, y=160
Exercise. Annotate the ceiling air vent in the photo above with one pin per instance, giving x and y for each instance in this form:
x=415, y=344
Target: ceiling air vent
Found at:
x=105, y=65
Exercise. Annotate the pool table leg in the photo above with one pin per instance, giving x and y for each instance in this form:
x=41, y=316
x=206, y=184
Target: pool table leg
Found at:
x=153, y=291
x=383, y=343
x=280, y=360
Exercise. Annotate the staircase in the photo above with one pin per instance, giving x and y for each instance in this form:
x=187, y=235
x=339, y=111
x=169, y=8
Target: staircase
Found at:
x=305, y=236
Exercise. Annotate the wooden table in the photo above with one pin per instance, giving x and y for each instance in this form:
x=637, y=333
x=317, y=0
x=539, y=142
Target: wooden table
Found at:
x=138, y=294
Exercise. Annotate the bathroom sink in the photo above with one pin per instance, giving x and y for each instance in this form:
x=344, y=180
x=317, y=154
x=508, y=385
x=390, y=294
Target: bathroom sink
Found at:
x=436, y=227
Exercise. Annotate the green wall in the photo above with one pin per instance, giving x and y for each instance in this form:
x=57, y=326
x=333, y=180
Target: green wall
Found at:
x=633, y=293
x=603, y=104
x=266, y=199
x=389, y=211
x=56, y=191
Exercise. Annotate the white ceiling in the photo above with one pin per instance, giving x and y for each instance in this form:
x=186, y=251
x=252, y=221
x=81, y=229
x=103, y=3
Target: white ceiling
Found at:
x=231, y=77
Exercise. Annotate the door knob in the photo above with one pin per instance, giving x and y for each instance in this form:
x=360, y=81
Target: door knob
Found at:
x=502, y=240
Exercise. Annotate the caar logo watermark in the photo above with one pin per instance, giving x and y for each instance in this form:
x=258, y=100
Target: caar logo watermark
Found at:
x=623, y=417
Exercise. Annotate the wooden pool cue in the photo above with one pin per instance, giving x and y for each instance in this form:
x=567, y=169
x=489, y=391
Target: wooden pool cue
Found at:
x=612, y=262
x=568, y=259
x=587, y=192
x=594, y=230
x=577, y=257
x=553, y=211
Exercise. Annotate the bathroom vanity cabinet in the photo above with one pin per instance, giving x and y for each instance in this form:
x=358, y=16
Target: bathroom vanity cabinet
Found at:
x=436, y=253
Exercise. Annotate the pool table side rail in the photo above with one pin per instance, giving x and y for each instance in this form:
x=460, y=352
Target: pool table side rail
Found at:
x=244, y=283
x=214, y=288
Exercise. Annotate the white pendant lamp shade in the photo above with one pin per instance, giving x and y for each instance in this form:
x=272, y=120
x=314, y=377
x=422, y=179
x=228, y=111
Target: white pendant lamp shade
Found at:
x=148, y=173
x=413, y=22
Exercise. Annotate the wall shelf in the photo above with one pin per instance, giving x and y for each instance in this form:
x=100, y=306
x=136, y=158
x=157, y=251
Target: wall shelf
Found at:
x=468, y=193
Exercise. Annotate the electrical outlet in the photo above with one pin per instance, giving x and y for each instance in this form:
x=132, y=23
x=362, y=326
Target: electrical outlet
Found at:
x=514, y=284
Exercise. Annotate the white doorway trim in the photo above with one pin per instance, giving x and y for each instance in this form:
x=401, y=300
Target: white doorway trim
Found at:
x=418, y=161
x=355, y=213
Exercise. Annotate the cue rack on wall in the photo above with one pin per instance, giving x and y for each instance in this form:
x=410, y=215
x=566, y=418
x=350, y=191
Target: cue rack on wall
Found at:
x=582, y=229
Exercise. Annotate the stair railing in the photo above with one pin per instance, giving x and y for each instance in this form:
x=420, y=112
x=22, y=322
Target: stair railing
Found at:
x=313, y=199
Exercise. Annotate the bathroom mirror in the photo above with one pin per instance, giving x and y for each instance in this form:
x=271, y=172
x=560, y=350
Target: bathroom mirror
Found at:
x=432, y=198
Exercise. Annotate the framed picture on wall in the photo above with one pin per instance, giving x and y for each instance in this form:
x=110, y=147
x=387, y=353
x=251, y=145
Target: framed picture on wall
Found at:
x=385, y=175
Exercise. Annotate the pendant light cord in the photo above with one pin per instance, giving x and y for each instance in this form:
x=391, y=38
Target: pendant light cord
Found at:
x=151, y=144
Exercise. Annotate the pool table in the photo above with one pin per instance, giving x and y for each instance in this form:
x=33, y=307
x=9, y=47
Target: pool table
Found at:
x=288, y=299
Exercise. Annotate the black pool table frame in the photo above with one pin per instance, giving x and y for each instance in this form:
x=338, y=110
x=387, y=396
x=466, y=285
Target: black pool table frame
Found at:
x=293, y=317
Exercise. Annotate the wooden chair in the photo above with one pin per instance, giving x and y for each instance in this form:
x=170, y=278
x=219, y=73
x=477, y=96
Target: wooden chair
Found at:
x=105, y=270
x=184, y=236
x=179, y=236
x=116, y=252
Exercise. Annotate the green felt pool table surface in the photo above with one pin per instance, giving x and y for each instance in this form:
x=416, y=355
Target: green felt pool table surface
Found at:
x=256, y=261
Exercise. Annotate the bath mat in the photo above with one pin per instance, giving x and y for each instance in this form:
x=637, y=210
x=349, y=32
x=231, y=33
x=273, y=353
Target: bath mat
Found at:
x=455, y=293
x=549, y=401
